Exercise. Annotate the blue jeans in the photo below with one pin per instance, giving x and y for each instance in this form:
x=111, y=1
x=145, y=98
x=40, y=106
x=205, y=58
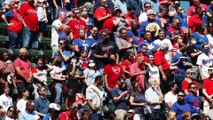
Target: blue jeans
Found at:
x=58, y=92
x=14, y=39
x=30, y=38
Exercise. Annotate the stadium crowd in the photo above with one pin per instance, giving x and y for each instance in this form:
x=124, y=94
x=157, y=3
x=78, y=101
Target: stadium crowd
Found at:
x=111, y=59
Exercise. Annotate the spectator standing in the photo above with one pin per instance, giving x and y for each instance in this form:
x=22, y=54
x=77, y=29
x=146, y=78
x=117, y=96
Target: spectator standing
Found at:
x=183, y=18
x=104, y=49
x=23, y=71
x=143, y=15
x=95, y=98
x=14, y=25
x=171, y=96
x=130, y=16
x=5, y=100
x=120, y=97
x=30, y=22
x=42, y=103
x=193, y=99
x=137, y=4
x=29, y=113
x=77, y=24
x=192, y=9
x=208, y=91
x=122, y=5
x=152, y=69
x=180, y=106
x=21, y=104
x=102, y=13
x=155, y=4
x=41, y=6
x=138, y=102
x=112, y=72
x=86, y=18
x=204, y=60
x=55, y=31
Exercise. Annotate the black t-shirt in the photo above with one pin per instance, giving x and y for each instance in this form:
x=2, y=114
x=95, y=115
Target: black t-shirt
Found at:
x=192, y=49
x=105, y=48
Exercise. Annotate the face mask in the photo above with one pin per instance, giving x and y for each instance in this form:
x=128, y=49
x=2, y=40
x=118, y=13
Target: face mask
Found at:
x=39, y=65
x=84, y=14
x=194, y=42
x=206, y=50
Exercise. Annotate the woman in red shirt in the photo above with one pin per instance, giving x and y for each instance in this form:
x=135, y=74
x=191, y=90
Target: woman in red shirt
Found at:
x=14, y=23
x=189, y=79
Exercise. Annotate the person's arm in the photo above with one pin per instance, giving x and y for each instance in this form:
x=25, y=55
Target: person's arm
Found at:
x=89, y=102
x=117, y=58
x=195, y=54
x=134, y=73
x=45, y=14
x=116, y=21
x=106, y=83
x=5, y=20
x=40, y=114
x=125, y=47
x=209, y=97
x=132, y=103
x=66, y=104
x=55, y=78
x=37, y=78
x=65, y=58
x=162, y=72
x=72, y=73
x=101, y=56
x=116, y=99
x=18, y=71
x=104, y=18
x=200, y=71
x=55, y=4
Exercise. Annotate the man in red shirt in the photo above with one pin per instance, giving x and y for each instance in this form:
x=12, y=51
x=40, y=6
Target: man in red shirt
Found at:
x=130, y=17
x=23, y=73
x=175, y=26
x=195, y=19
x=208, y=90
x=30, y=21
x=196, y=3
x=102, y=13
x=77, y=24
x=163, y=66
x=111, y=73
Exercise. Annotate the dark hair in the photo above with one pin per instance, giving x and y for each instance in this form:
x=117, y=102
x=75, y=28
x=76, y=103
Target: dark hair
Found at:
x=123, y=28
x=131, y=8
x=15, y=112
x=171, y=84
x=146, y=3
x=190, y=84
x=29, y=102
x=2, y=54
x=121, y=78
x=39, y=89
x=199, y=28
x=98, y=78
x=198, y=9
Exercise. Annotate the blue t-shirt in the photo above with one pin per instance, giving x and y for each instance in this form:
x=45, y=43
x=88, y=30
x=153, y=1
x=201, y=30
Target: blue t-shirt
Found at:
x=200, y=40
x=179, y=109
x=144, y=24
x=135, y=36
x=150, y=46
x=63, y=36
x=46, y=117
x=194, y=102
x=84, y=45
x=67, y=53
x=122, y=103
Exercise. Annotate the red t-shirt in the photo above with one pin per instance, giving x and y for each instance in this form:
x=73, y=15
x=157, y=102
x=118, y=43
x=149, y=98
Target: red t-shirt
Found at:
x=130, y=19
x=24, y=67
x=66, y=116
x=207, y=84
x=191, y=9
x=17, y=26
x=127, y=65
x=145, y=59
x=161, y=60
x=29, y=15
x=172, y=30
x=101, y=12
x=75, y=25
x=113, y=72
x=185, y=84
x=108, y=24
x=193, y=21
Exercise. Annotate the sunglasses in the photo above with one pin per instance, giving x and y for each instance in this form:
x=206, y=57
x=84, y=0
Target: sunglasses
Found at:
x=147, y=6
x=194, y=87
x=181, y=95
x=11, y=110
x=131, y=113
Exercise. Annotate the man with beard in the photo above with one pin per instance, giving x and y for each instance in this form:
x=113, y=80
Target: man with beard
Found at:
x=120, y=97
x=193, y=99
x=208, y=91
x=104, y=49
x=29, y=113
x=112, y=72
x=171, y=96
x=77, y=24
x=180, y=106
x=23, y=71
x=30, y=21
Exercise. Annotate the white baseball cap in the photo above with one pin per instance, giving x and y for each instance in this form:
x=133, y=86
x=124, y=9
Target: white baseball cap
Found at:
x=55, y=106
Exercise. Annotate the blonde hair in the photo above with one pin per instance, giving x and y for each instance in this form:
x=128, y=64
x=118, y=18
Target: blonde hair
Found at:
x=171, y=115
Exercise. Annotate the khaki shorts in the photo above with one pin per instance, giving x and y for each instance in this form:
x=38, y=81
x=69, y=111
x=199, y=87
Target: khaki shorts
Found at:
x=120, y=114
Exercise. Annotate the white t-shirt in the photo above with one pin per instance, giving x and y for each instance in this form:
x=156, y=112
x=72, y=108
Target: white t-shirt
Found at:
x=154, y=71
x=56, y=71
x=94, y=94
x=55, y=32
x=91, y=75
x=40, y=10
x=205, y=61
x=159, y=42
x=170, y=97
x=5, y=102
x=153, y=96
x=21, y=105
x=143, y=17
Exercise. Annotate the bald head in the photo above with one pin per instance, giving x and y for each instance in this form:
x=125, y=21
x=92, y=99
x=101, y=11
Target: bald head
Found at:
x=23, y=50
x=23, y=53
